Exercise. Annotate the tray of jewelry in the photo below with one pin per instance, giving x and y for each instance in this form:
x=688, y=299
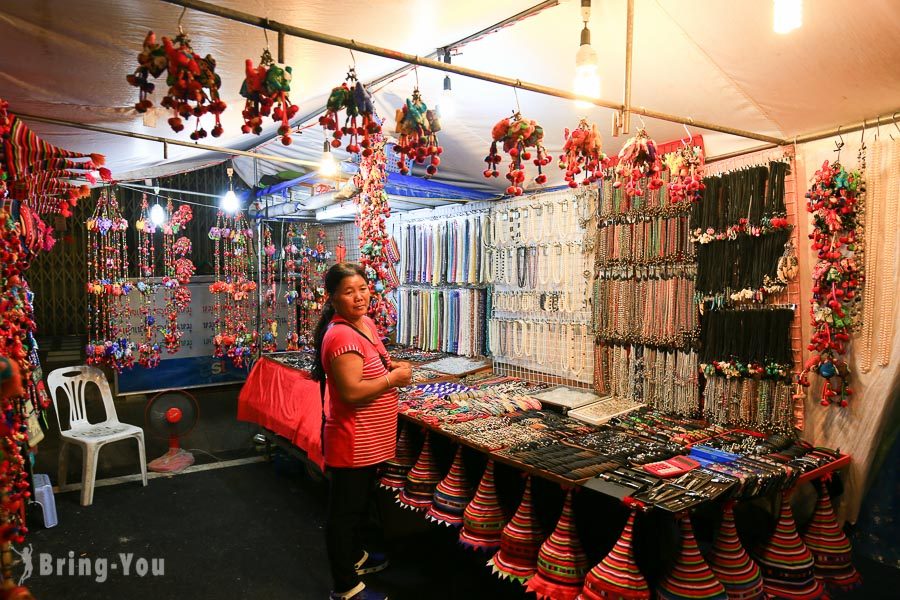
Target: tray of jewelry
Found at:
x=567, y=397
x=296, y=360
x=414, y=355
x=603, y=410
x=458, y=365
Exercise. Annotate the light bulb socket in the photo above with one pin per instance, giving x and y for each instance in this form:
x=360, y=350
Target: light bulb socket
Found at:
x=585, y=36
x=326, y=147
x=447, y=87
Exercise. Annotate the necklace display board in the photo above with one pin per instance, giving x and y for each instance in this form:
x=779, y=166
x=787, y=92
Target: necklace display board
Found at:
x=643, y=310
x=749, y=212
x=536, y=261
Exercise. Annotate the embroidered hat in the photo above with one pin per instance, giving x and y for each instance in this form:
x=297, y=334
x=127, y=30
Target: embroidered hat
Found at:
x=562, y=563
x=519, y=543
x=452, y=495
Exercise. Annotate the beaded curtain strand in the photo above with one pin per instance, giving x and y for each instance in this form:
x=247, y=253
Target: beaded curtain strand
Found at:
x=108, y=286
x=148, y=348
x=233, y=289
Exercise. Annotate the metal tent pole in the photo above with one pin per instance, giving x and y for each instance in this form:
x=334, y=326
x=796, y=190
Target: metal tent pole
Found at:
x=162, y=140
x=350, y=44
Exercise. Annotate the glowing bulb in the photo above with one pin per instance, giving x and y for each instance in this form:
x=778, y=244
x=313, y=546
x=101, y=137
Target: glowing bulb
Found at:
x=230, y=202
x=157, y=215
x=587, y=80
x=788, y=15
x=328, y=167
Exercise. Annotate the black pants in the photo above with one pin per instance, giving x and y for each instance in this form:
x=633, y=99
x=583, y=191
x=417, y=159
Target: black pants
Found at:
x=351, y=505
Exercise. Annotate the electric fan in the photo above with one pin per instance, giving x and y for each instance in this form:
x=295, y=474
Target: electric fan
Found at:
x=171, y=415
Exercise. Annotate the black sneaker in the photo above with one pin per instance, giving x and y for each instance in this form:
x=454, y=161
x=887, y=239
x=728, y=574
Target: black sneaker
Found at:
x=371, y=563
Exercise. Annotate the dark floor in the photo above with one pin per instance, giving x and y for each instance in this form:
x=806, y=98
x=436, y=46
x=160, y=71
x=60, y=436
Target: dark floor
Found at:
x=255, y=531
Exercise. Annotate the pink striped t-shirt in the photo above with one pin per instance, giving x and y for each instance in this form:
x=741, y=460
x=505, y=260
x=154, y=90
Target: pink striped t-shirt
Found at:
x=361, y=434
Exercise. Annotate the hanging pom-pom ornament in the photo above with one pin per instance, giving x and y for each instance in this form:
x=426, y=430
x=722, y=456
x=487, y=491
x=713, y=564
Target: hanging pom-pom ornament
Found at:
x=352, y=97
x=517, y=135
x=417, y=127
x=686, y=173
x=638, y=159
x=193, y=82
x=582, y=154
x=266, y=88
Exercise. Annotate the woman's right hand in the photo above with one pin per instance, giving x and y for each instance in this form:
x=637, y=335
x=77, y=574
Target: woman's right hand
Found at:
x=401, y=375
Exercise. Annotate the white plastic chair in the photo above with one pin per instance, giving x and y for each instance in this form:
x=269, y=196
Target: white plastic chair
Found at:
x=90, y=436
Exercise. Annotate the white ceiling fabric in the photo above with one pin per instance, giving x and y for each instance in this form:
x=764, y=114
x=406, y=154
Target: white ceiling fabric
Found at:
x=712, y=60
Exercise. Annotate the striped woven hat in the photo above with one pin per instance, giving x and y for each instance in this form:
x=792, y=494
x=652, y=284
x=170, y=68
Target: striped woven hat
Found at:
x=617, y=577
x=732, y=565
x=690, y=578
x=393, y=475
x=452, y=495
x=421, y=480
x=483, y=519
x=562, y=563
x=830, y=547
x=519, y=543
x=787, y=564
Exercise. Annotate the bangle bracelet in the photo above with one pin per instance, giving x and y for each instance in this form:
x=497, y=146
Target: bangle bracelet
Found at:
x=386, y=378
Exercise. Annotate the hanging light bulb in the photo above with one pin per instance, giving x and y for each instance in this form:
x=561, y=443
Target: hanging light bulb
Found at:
x=327, y=166
x=447, y=106
x=229, y=202
x=587, y=79
x=788, y=15
x=157, y=215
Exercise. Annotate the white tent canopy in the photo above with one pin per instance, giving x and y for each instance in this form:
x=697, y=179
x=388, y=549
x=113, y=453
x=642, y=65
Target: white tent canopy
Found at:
x=712, y=60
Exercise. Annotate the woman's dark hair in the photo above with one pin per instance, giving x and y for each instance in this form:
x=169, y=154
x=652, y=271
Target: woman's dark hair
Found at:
x=333, y=278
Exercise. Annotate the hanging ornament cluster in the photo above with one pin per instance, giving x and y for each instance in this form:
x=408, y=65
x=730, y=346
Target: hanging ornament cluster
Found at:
x=16, y=346
x=269, y=341
x=312, y=284
x=638, y=158
x=235, y=336
x=178, y=272
x=417, y=127
x=291, y=252
x=42, y=175
x=834, y=203
x=108, y=286
x=685, y=173
x=352, y=97
x=374, y=210
x=266, y=88
x=517, y=134
x=192, y=80
x=583, y=154
x=307, y=304
x=148, y=348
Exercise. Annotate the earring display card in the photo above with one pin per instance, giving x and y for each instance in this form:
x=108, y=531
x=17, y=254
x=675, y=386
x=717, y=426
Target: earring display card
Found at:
x=605, y=409
x=458, y=365
x=567, y=397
